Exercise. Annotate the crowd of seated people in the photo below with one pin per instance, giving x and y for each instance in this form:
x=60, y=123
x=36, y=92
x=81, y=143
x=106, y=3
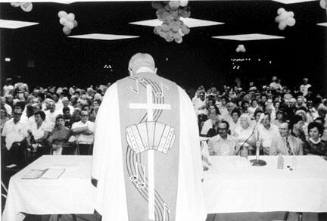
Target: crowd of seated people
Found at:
x=235, y=120
x=272, y=118
x=47, y=120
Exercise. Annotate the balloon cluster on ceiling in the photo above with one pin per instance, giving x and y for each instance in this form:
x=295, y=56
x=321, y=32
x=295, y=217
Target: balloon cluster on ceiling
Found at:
x=172, y=27
x=68, y=21
x=240, y=48
x=285, y=18
x=25, y=6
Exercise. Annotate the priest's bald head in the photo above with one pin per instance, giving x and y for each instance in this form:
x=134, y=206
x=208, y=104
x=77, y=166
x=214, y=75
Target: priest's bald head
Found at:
x=141, y=62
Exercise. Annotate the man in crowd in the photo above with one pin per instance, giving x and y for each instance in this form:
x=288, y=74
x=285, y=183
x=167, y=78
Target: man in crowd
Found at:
x=222, y=144
x=83, y=130
x=286, y=143
x=266, y=133
x=13, y=135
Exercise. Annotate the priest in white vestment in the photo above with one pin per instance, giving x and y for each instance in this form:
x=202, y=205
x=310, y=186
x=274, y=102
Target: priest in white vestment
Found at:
x=146, y=160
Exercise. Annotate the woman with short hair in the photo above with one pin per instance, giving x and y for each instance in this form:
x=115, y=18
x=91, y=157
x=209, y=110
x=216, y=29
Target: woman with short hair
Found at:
x=59, y=136
x=315, y=145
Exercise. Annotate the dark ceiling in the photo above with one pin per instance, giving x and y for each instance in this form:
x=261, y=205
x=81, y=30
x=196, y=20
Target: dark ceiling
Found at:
x=42, y=54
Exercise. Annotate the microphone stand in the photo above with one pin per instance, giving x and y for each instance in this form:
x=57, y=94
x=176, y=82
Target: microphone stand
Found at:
x=257, y=161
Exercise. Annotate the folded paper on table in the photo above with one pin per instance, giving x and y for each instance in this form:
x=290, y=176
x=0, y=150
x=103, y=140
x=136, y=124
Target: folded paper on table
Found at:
x=53, y=173
x=48, y=173
x=34, y=174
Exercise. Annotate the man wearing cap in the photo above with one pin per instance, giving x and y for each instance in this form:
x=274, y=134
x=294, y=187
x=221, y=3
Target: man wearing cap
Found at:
x=146, y=159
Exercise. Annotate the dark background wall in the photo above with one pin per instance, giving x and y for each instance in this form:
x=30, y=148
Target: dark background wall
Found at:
x=43, y=55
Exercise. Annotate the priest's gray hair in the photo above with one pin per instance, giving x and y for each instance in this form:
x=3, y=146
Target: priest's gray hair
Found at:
x=141, y=62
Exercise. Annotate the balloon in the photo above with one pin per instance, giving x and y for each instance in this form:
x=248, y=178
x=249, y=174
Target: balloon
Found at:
x=291, y=14
x=183, y=3
x=66, y=30
x=26, y=6
x=277, y=19
x=283, y=16
x=282, y=25
x=156, y=30
x=174, y=27
x=165, y=27
x=63, y=21
x=174, y=4
x=62, y=14
x=185, y=29
x=179, y=40
x=15, y=4
x=280, y=11
x=323, y=4
x=75, y=23
x=290, y=22
x=156, y=5
x=71, y=16
x=70, y=24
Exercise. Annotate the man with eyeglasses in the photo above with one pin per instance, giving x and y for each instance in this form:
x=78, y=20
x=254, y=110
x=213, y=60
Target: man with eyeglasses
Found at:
x=13, y=139
x=286, y=143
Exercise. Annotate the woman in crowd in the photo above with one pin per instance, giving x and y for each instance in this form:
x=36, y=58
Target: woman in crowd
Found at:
x=315, y=145
x=38, y=133
x=280, y=118
x=59, y=136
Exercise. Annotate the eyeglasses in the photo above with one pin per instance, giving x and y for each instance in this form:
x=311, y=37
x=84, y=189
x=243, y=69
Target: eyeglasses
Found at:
x=15, y=113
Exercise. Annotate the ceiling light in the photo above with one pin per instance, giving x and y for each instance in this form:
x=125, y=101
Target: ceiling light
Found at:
x=13, y=24
x=189, y=22
x=248, y=37
x=293, y=1
x=98, y=36
x=323, y=24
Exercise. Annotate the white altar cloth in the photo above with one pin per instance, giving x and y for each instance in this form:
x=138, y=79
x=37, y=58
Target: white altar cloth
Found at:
x=231, y=185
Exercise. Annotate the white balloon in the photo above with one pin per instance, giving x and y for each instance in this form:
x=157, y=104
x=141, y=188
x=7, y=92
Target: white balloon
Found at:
x=282, y=25
x=75, y=23
x=280, y=11
x=291, y=14
x=283, y=16
x=66, y=30
x=62, y=14
x=71, y=16
x=63, y=21
x=323, y=4
x=70, y=24
x=15, y=4
x=278, y=19
x=26, y=6
x=183, y=3
x=290, y=22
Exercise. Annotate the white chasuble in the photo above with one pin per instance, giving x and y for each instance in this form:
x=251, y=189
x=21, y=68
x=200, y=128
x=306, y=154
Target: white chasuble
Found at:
x=147, y=153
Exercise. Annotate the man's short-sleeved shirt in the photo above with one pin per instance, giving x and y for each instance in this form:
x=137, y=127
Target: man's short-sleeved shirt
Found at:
x=14, y=132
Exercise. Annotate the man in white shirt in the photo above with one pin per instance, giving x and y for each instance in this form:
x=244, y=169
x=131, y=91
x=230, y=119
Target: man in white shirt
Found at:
x=84, y=133
x=266, y=133
x=51, y=114
x=223, y=144
x=286, y=144
x=13, y=137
